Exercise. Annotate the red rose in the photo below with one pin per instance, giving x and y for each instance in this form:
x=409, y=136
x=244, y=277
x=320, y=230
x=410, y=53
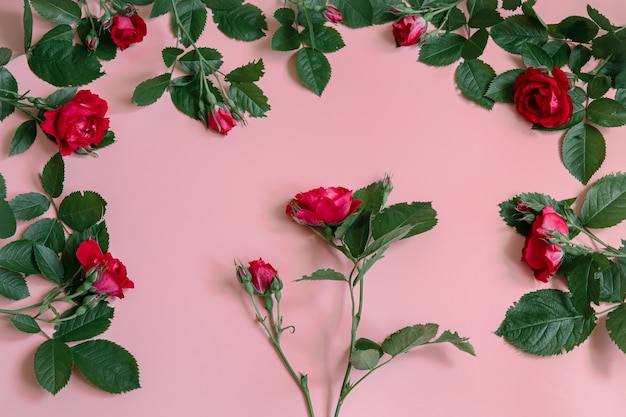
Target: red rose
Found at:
x=333, y=14
x=112, y=273
x=322, y=206
x=126, y=30
x=78, y=123
x=221, y=120
x=262, y=275
x=542, y=99
x=408, y=30
x=544, y=258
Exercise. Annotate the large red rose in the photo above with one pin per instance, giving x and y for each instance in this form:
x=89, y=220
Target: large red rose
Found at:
x=544, y=258
x=220, y=121
x=262, y=275
x=126, y=30
x=112, y=273
x=542, y=99
x=323, y=206
x=78, y=123
x=408, y=30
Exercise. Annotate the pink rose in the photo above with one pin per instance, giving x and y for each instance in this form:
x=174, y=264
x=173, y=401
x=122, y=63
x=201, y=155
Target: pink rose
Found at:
x=78, y=123
x=544, y=258
x=320, y=206
x=333, y=14
x=408, y=30
x=541, y=99
x=262, y=275
x=221, y=120
x=112, y=273
x=126, y=30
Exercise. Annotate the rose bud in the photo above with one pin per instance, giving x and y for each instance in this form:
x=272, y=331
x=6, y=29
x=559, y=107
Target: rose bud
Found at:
x=263, y=274
x=409, y=30
x=220, y=120
x=322, y=206
x=91, y=40
x=113, y=279
x=333, y=14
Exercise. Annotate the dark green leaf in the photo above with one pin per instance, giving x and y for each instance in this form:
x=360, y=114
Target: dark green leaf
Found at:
x=584, y=285
x=605, y=202
x=455, y=20
x=106, y=48
x=313, y=69
x=192, y=17
x=49, y=263
x=612, y=284
x=606, y=45
x=185, y=93
x=545, y=323
x=309, y=17
x=474, y=6
x=442, y=50
x=357, y=235
x=620, y=95
x=599, y=18
x=170, y=54
x=511, y=4
x=27, y=22
x=53, y=176
x=356, y=13
x=616, y=325
x=475, y=45
x=381, y=244
x=53, y=365
x=327, y=39
x=421, y=217
x=381, y=12
x=27, y=206
x=579, y=56
x=61, y=96
x=409, y=337
x=94, y=322
x=286, y=38
x=58, y=11
x=159, y=8
x=151, y=90
x=47, y=232
x=107, y=140
x=25, y=323
x=324, y=274
x=578, y=29
x=3, y=188
x=82, y=210
x=512, y=33
x=8, y=90
x=558, y=51
x=484, y=18
x=285, y=16
x=366, y=354
x=598, y=86
x=251, y=72
x=245, y=23
x=501, y=87
x=107, y=365
x=534, y=56
x=606, y=112
x=583, y=151
x=13, y=285
x=250, y=98
x=473, y=78
x=209, y=58
x=620, y=80
x=5, y=56
x=459, y=342
x=8, y=225
x=222, y=4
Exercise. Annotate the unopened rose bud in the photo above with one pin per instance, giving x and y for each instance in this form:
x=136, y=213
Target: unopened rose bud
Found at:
x=276, y=285
x=129, y=11
x=93, y=274
x=333, y=14
x=81, y=310
x=91, y=40
x=269, y=302
x=92, y=300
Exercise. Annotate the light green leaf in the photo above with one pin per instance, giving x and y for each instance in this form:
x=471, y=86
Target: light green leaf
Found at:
x=583, y=151
x=245, y=23
x=13, y=285
x=250, y=98
x=93, y=323
x=27, y=206
x=8, y=90
x=605, y=202
x=107, y=365
x=356, y=13
x=53, y=365
x=607, y=112
x=442, y=50
x=513, y=32
x=192, y=16
x=409, y=337
x=324, y=274
x=47, y=232
x=82, y=210
x=58, y=11
x=313, y=69
x=49, y=263
x=24, y=137
x=53, y=176
x=151, y=90
x=366, y=354
x=473, y=78
x=25, y=323
x=8, y=225
x=616, y=326
x=459, y=342
x=501, y=87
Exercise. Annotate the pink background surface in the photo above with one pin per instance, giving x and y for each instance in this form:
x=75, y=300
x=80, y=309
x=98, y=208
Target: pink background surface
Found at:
x=183, y=203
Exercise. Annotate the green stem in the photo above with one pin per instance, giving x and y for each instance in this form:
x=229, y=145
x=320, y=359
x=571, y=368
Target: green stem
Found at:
x=608, y=310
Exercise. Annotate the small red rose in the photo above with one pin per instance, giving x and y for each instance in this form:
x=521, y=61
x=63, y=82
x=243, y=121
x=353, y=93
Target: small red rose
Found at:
x=542, y=99
x=79, y=123
x=321, y=205
x=220, y=120
x=409, y=30
x=126, y=30
x=262, y=275
x=544, y=258
x=333, y=14
x=113, y=279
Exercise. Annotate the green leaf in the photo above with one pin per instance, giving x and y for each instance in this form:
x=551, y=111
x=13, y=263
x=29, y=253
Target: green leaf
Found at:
x=107, y=365
x=286, y=38
x=24, y=137
x=53, y=365
x=8, y=90
x=513, y=32
x=5, y=56
x=251, y=72
x=53, y=176
x=475, y=45
x=606, y=45
x=13, y=285
x=583, y=151
x=473, y=78
x=47, y=232
x=501, y=87
x=381, y=244
x=25, y=323
x=578, y=29
x=58, y=11
x=584, y=285
x=49, y=263
x=484, y=18
x=56, y=61
x=106, y=48
x=7, y=220
x=558, y=51
x=511, y=4
x=151, y=90
x=459, y=342
x=606, y=112
x=190, y=62
x=356, y=13
x=616, y=326
x=421, y=217
x=545, y=323
x=620, y=95
x=159, y=8
x=442, y=50
x=285, y=16
x=27, y=206
x=612, y=284
x=579, y=56
x=324, y=274
x=313, y=69
x=409, y=337
x=27, y=21
x=250, y=98
x=598, y=86
x=448, y=22
x=185, y=93
x=192, y=17
x=61, y=96
x=82, y=210
x=245, y=23
x=366, y=354
x=170, y=54
x=534, y=56
x=605, y=202
x=357, y=235
x=3, y=188
x=222, y=4
x=93, y=323
x=327, y=39
x=599, y=18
